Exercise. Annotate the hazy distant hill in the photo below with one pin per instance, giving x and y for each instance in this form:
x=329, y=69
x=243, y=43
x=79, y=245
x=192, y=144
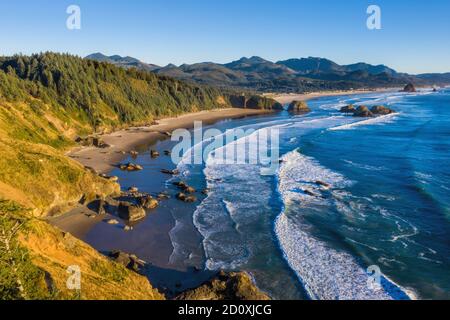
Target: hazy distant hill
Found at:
x=292, y=75
x=312, y=65
x=436, y=77
x=126, y=62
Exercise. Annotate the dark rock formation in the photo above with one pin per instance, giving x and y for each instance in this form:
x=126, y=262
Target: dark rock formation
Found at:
x=254, y=102
x=98, y=206
x=148, y=202
x=381, y=110
x=409, y=88
x=171, y=172
x=163, y=196
x=130, y=167
x=133, y=190
x=348, y=109
x=91, y=141
x=226, y=286
x=185, y=198
x=323, y=184
x=362, y=111
x=110, y=178
x=129, y=261
x=180, y=184
x=154, y=153
x=130, y=212
x=299, y=107
x=309, y=193
x=237, y=101
x=259, y=102
x=189, y=190
x=134, y=154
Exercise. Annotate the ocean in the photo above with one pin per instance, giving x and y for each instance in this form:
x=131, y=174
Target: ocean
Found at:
x=379, y=230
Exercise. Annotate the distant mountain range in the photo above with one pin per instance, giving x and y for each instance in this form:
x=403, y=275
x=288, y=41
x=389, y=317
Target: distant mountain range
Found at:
x=292, y=75
x=126, y=62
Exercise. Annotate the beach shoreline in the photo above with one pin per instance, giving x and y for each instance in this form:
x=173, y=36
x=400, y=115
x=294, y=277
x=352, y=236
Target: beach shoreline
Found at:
x=123, y=141
x=84, y=223
x=78, y=221
x=285, y=98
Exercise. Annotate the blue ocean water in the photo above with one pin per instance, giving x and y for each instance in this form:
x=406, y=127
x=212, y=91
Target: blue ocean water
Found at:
x=387, y=206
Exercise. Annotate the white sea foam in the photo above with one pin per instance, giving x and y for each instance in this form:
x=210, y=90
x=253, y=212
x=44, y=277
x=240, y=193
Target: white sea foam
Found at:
x=325, y=272
x=372, y=121
x=233, y=205
x=364, y=166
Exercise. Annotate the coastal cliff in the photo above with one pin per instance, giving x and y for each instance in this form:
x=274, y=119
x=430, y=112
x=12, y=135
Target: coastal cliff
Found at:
x=46, y=102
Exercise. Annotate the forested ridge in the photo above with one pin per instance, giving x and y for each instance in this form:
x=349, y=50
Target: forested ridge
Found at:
x=98, y=93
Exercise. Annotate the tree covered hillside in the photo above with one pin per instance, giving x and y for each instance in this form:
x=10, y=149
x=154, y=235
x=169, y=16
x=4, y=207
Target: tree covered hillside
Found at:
x=93, y=94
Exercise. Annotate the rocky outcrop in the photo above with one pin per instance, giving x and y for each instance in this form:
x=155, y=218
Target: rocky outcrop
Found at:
x=348, y=109
x=130, y=167
x=130, y=212
x=254, y=102
x=299, y=107
x=323, y=184
x=171, y=172
x=183, y=186
x=185, y=198
x=154, y=154
x=409, y=88
x=226, y=286
x=91, y=141
x=238, y=101
x=362, y=111
x=148, y=202
x=129, y=261
x=381, y=110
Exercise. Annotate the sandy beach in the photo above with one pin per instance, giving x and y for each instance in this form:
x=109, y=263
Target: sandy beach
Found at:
x=123, y=141
x=86, y=225
x=289, y=97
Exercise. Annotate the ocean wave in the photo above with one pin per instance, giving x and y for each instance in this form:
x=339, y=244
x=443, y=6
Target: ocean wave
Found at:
x=364, y=166
x=233, y=205
x=372, y=121
x=232, y=201
x=326, y=273
x=384, y=196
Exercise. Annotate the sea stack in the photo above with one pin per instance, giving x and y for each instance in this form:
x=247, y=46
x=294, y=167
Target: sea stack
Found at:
x=409, y=88
x=299, y=107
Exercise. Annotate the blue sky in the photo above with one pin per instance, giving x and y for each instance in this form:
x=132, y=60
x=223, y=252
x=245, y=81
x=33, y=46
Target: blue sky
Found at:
x=414, y=37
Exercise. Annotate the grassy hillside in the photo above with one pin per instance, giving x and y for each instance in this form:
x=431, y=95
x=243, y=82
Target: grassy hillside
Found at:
x=35, y=258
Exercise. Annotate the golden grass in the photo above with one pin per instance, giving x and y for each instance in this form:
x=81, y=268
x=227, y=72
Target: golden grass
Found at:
x=101, y=279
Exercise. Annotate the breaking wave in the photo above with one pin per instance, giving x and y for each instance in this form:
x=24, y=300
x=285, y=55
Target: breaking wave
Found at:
x=325, y=272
